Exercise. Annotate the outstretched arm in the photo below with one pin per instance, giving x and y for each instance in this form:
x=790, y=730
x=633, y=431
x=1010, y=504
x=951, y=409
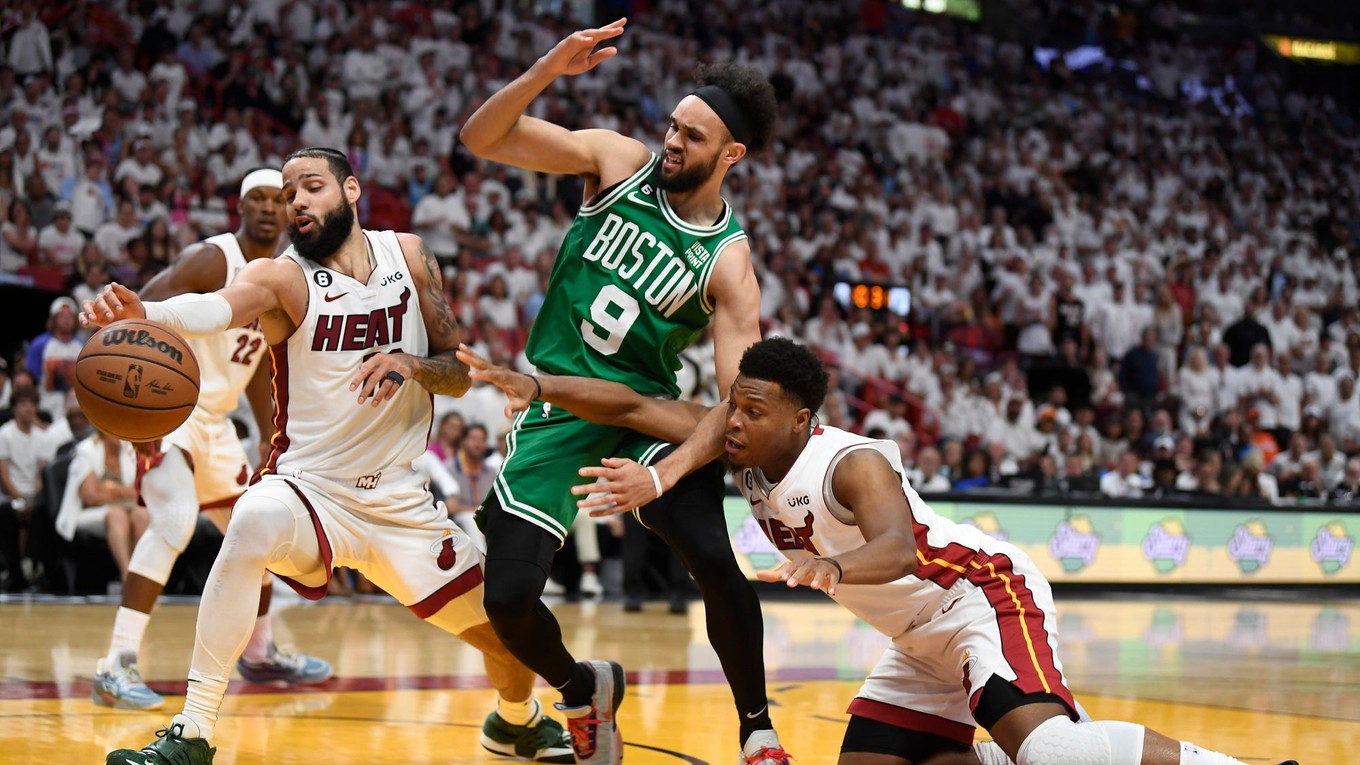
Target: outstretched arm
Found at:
x=865, y=483
x=264, y=286
x=607, y=403
x=501, y=132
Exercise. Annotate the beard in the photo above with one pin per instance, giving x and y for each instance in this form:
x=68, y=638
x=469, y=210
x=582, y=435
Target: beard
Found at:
x=329, y=234
x=687, y=179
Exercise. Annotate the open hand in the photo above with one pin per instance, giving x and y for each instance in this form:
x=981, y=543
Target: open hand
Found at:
x=519, y=388
x=816, y=573
x=379, y=377
x=576, y=54
x=620, y=486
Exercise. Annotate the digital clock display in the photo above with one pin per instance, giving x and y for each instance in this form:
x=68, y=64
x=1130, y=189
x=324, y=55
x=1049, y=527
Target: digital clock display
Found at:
x=873, y=297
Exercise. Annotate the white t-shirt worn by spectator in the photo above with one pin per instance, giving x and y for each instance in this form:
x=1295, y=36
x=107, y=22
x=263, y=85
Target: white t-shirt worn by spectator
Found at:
x=25, y=452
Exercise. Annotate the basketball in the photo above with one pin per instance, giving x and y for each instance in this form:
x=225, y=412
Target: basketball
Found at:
x=136, y=380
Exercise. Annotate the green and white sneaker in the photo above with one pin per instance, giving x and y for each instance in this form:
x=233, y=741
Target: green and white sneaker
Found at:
x=169, y=748
x=118, y=684
x=542, y=740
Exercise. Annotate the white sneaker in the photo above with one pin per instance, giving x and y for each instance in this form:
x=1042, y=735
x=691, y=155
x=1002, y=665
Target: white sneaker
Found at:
x=762, y=748
x=590, y=585
x=551, y=587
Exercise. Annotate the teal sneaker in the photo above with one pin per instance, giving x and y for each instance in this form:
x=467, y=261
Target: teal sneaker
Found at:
x=169, y=748
x=285, y=667
x=543, y=740
x=118, y=684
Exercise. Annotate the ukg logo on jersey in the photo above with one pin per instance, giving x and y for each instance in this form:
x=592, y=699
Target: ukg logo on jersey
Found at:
x=1331, y=548
x=1074, y=543
x=1250, y=546
x=1166, y=545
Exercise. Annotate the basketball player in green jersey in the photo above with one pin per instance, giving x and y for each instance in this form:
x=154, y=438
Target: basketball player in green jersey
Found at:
x=652, y=258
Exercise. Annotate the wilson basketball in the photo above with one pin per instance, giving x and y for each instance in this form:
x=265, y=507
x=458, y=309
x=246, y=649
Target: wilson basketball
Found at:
x=137, y=380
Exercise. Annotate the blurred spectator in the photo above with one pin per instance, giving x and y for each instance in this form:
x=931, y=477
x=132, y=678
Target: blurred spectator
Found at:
x=447, y=437
x=1331, y=463
x=1125, y=481
x=890, y=422
x=52, y=356
x=1347, y=492
x=926, y=478
x=18, y=239
x=976, y=471
x=113, y=237
x=91, y=197
x=101, y=497
x=1196, y=390
x=24, y=450
x=1244, y=335
x=59, y=243
x=1139, y=372
x=30, y=47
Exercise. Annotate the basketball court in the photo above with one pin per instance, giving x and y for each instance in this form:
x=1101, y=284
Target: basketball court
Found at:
x=1263, y=680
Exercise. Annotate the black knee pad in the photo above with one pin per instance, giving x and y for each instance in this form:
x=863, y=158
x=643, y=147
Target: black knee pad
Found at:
x=512, y=588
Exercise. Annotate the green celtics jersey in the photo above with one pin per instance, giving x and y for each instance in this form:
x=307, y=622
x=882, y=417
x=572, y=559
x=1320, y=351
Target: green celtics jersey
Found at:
x=629, y=290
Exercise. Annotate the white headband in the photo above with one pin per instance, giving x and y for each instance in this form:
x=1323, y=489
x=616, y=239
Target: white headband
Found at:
x=262, y=177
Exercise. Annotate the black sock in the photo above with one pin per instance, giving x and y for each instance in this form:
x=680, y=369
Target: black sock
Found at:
x=580, y=688
x=690, y=519
x=749, y=724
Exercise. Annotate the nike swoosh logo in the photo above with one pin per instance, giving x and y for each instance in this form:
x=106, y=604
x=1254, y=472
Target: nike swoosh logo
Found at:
x=757, y=713
x=951, y=605
x=633, y=195
x=331, y=299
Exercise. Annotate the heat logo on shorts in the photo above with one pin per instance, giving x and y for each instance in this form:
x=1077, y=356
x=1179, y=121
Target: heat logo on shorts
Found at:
x=443, y=549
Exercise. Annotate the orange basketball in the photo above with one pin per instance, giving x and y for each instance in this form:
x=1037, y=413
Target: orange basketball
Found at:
x=137, y=380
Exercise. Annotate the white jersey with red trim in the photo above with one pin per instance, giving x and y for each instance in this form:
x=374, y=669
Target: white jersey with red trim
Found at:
x=320, y=429
x=227, y=361
x=802, y=518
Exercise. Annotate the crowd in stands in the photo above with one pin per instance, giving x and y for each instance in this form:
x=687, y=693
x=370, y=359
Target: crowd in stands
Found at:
x=1115, y=289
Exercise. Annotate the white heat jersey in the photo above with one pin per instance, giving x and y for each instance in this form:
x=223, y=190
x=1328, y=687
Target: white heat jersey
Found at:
x=227, y=361
x=319, y=427
x=802, y=518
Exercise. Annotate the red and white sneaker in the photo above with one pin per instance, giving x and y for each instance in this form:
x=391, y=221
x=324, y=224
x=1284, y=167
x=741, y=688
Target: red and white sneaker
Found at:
x=762, y=748
x=595, y=737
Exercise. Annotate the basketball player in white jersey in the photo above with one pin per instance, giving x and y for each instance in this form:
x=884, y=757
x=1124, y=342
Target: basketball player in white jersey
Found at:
x=360, y=336
x=201, y=466
x=971, y=618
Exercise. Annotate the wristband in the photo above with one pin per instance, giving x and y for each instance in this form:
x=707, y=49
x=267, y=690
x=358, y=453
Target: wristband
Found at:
x=538, y=388
x=656, y=479
x=840, y=572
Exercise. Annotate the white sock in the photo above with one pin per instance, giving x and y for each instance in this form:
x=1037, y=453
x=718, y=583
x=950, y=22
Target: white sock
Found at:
x=524, y=712
x=1193, y=755
x=201, y=704
x=260, y=640
x=128, y=628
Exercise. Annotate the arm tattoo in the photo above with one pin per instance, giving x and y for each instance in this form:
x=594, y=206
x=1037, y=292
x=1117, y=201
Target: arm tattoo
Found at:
x=444, y=374
x=441, y=373
x=434, y=294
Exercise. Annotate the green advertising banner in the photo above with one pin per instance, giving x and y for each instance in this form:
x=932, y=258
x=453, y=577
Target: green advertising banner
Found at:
x=1085, y=543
